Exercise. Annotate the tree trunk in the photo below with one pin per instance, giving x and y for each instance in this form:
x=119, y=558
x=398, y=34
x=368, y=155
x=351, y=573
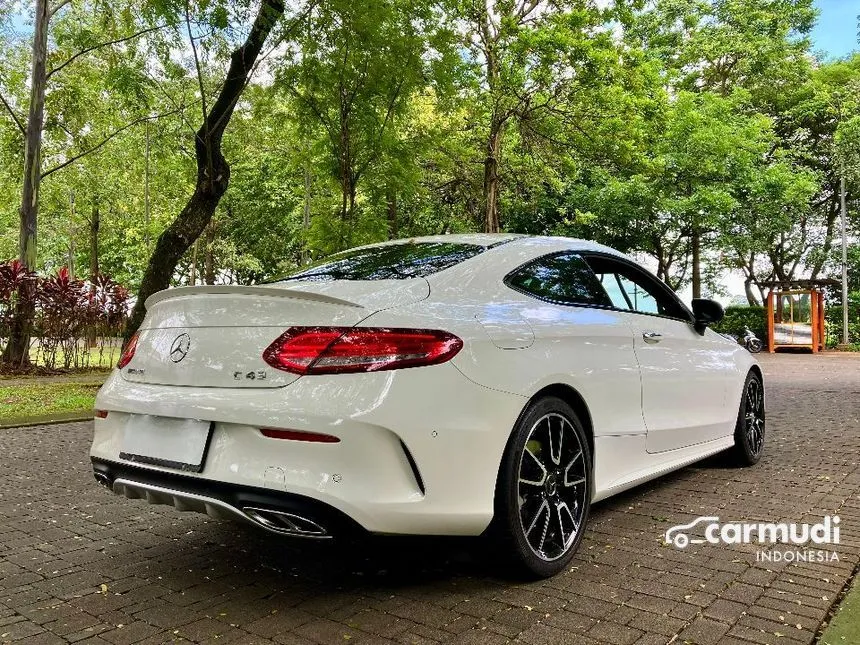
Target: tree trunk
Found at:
x=347, y=189
x=663, y=266
x=751, y=299
x=213, y=171
x=16, y=353
x=491, y=178
x=193, y=279
x=353, y=191
x=306, y=217
x=761, y=293
x=695, y=243
x=71, y=262
x=209, y=255
x=391, y=207
x=95, y=223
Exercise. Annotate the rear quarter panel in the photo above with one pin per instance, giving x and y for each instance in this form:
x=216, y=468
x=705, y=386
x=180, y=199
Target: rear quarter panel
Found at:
x=590, y=350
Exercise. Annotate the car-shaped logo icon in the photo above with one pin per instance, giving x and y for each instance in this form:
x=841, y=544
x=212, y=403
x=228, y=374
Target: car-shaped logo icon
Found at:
x=677, y=537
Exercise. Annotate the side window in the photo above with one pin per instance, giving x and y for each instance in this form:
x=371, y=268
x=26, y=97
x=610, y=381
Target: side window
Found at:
x=640, y=300
x=632, y=289
x=563, y=278
x=615, y=290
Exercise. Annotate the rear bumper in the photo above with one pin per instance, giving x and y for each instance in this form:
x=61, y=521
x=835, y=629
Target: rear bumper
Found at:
x=275, y=512
x=419, y=449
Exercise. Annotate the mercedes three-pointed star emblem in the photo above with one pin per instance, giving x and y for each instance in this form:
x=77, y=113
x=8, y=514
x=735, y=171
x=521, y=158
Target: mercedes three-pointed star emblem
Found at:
x=179, y=348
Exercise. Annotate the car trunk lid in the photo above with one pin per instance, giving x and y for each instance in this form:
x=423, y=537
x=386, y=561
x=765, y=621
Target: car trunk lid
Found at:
x=215, y=336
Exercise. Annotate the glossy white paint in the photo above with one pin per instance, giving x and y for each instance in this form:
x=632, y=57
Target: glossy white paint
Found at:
x=652, y=407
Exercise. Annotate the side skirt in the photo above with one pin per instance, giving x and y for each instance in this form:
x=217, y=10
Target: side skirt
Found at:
x=622, y=462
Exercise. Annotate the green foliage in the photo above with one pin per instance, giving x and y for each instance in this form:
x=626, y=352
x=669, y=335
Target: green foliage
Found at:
x=635, y=124
x=737, y=317
x=721, y=44
x=847, y=144
x=833, y=320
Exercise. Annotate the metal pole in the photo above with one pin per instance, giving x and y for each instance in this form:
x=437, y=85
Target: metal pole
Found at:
x=844, y=264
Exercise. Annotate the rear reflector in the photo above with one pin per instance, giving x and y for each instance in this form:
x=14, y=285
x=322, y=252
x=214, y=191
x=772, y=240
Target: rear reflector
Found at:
x=298, y=435
x=340, y=350
x=101, y=414
x=128, y=352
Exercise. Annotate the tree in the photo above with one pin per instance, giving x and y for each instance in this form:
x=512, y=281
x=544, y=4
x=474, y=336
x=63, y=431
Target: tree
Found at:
x=718, y=45
x=706, y=185
x=17, y=348
x=213, y=170
x=535, y=58
x=811, y=119
x=356, y=67
x=16, y=352
x=699, y=132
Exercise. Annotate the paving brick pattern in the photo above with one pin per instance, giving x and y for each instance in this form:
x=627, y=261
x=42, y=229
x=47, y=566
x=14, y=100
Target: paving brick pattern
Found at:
x=80, y=565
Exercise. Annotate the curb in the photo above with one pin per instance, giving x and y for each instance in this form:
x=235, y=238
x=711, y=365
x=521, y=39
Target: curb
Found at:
x=47, y=419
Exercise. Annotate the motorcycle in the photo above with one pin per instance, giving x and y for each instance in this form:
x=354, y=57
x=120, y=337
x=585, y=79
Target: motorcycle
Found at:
x=750, y=341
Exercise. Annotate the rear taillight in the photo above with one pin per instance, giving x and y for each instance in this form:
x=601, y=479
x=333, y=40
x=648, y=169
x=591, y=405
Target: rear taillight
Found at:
x=339, y=350
x=128, y=352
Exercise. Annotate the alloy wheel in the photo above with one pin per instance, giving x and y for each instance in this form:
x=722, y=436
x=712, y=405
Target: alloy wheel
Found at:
x=552, y=486
x=754, y=411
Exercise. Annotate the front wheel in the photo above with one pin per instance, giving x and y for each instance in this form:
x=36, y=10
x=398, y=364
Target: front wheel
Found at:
x=543, y=495
x=750, y=426
x=754, y=345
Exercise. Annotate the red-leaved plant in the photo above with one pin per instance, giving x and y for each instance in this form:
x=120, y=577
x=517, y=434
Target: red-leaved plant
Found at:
x=13, y=276
x=75, y=319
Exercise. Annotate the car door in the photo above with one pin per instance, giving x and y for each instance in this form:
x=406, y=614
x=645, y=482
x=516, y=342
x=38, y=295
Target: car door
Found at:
x=685, y=375
x=578, y=340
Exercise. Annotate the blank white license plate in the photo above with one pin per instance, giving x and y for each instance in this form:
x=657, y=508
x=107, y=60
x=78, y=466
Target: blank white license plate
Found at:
x=164, y=441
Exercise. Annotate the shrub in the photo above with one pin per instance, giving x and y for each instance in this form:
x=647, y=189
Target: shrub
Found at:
x=12, y=277
x=76, y=321
x=833, y=321
x=753, y=316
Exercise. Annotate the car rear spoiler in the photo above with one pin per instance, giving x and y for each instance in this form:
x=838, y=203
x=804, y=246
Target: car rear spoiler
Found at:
x=269, y=292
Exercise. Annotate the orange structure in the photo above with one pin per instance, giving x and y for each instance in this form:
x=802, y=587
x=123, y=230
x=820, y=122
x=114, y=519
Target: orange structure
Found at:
x=795, y=314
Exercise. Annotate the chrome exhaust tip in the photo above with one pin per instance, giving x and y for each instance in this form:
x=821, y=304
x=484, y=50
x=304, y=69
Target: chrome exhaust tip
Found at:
x=286, y=523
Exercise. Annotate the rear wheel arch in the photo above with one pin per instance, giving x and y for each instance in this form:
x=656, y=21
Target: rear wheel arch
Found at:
x=574, y=399
x=570, y=396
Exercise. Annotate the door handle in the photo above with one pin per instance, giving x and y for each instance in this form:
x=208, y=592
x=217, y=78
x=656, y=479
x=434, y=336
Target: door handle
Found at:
x=652, y=336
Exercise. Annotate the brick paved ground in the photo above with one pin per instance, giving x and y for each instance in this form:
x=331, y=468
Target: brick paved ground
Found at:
x=79, y=565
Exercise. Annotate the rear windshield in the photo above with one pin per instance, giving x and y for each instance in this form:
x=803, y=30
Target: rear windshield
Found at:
x=388, y=262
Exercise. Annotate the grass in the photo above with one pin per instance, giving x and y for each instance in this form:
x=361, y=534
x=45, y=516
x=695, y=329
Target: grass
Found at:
x=46, y=398
x=97, y=360
x=844, y=629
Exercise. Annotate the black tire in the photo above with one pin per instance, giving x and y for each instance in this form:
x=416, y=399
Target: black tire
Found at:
x=754, y=346
x=750, y=427
x=540, y=489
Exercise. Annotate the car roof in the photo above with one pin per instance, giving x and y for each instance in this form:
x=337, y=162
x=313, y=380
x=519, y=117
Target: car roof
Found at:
x=479, y=239
x=544, y=242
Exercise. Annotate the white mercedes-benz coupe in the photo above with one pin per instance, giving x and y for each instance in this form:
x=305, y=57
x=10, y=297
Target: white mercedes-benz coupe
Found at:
x=454, y=385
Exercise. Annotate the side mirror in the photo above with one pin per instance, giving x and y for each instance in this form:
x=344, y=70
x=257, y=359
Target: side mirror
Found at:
x=706, y=312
